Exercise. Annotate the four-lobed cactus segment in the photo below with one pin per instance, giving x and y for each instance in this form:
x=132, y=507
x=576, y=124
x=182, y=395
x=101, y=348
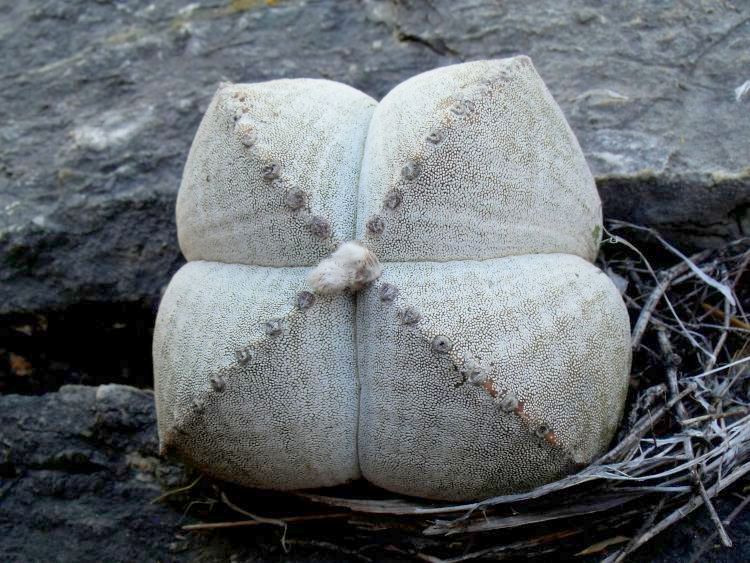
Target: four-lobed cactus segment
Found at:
x=401, y=291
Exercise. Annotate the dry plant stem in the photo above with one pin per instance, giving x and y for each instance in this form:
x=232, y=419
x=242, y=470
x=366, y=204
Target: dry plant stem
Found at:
x=687, y=508
x=259, y=519
x=691, y=262
x=630, y=547
x=641, y=427
x=672, y=361
x=725, y=539
x=658, y=292
x=257, y=522
x=682, y=415
x=714, y=416
x=727, y=521
x=644, y=402
x=504, y=551
x=741, y=269
x=395, y=507
x=602, y=545
x=740, y=372
x=720, y=315
x=497, y=523
x=722, y=339
x=722, y=368
x=177, y=491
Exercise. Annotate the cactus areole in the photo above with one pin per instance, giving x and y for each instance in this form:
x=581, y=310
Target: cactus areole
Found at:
x=401, y=291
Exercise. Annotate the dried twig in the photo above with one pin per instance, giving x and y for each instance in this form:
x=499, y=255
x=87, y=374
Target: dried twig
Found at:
x=258, y=521
x=665, y=278
x=501, y=551
x=720, y=315
x=672, y=360
x=642, y=426
x=687, y=508
x=630, y=547
x=727, y=521
x=588, y=506
x=177, y=491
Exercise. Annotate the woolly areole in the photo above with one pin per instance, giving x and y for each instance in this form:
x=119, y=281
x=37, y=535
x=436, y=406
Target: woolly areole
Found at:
x=401, y=291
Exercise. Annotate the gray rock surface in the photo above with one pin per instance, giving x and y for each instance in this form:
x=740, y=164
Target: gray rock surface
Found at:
x=79, y=470
x=100, y=101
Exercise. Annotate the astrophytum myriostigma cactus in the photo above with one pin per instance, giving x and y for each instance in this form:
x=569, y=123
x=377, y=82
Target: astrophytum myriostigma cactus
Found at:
x=401, y=291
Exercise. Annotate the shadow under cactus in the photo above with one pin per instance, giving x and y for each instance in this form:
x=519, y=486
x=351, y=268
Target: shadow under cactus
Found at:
x=87, y=344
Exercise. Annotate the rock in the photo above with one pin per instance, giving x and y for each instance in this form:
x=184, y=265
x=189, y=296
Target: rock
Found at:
x=79, y=470
x=100, y=102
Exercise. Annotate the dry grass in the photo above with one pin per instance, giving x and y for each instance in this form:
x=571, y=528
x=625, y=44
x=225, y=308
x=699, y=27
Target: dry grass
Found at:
x=685, y=439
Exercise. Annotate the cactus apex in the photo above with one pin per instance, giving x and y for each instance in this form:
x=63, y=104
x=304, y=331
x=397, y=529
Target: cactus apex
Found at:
x=350, y=267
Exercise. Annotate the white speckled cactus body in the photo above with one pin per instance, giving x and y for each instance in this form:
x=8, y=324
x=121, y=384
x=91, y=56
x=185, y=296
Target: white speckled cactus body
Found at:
x=464, y=347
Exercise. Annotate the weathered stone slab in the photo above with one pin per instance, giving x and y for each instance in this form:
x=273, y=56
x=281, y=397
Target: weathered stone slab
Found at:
x=100, y=101
x=79, y=471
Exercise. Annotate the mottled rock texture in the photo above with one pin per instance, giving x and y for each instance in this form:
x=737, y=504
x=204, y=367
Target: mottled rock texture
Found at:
x=79, y=471
x=100, y=101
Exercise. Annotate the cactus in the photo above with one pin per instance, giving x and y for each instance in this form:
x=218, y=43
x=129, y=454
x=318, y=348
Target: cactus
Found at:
x=401, y=291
